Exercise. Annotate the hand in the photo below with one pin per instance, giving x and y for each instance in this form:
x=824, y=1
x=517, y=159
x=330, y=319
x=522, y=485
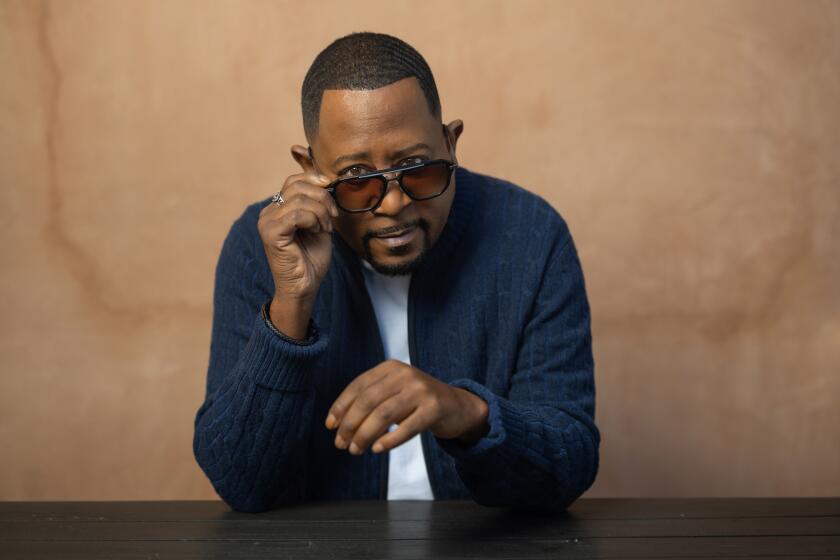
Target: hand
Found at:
x=396, y=393
x=296, y=234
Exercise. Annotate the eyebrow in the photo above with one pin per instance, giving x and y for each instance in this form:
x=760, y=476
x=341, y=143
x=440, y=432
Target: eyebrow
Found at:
x=395, y=155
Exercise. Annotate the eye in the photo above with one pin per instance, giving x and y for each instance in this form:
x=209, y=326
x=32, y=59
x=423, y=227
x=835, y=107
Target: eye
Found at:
x=411, y=161
x=353, y=171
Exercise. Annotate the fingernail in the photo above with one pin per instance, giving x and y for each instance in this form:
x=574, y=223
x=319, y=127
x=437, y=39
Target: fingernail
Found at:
x=377, y=447
x=340, y=442
x=354, y=449
x=330, y=423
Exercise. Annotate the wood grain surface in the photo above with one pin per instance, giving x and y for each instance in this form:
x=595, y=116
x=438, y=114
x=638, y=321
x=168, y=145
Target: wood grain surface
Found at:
x=591, y=528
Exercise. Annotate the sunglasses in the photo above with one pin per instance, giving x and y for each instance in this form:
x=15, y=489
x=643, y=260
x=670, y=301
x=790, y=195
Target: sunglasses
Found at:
x=365, y=192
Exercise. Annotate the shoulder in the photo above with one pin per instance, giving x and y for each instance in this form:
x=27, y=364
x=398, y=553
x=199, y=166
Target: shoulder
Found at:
x=244, y=226
x=242, y=241
x=251, y=215
x=513, y=211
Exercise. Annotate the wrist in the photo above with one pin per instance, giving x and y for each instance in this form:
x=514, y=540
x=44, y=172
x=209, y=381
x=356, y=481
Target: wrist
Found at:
x=476, y=425
x=290, y=317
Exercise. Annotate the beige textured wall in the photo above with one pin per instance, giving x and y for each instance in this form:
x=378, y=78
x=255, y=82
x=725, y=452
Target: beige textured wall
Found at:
x=691, y=146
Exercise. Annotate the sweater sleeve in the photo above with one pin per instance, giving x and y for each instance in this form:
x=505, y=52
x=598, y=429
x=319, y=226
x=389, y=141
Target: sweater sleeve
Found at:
x=541, y=452
x=252, y=428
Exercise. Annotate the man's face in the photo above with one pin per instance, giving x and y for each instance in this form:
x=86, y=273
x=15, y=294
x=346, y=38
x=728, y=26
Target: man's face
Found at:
x=368, y=130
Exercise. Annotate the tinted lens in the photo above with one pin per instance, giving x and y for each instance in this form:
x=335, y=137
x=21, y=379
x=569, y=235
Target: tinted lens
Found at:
x=358, y=194
x=428, y=181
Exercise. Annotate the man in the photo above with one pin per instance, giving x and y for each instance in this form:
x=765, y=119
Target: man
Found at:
x=391, y=325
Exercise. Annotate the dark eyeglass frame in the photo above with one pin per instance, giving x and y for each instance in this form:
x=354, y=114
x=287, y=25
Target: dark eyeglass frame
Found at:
x=400, y=171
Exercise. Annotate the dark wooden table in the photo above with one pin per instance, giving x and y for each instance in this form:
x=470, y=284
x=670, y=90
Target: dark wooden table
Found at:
x=592, y=528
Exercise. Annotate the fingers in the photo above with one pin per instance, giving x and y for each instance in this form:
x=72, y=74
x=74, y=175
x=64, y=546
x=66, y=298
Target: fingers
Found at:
x=280, y=231
x=299, y=205
x=342, y=404
x=305, y=206
x=390, y=393
x=394, y=410
x=313, y=189
x=374, y=406
x=306, y=184
x=415, y=423
x=297, y=235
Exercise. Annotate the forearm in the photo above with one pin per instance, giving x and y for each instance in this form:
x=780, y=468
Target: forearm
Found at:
x=249, y=441
x=538, y=458
x=251, y=431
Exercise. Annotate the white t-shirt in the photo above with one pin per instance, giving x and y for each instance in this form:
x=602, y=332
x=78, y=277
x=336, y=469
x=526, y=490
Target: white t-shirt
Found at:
x=407, y=476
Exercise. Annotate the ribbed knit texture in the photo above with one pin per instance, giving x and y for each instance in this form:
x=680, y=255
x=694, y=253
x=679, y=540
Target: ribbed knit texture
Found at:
x=498, y=308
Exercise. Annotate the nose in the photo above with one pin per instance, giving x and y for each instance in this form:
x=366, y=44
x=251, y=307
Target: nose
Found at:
x=395, y=199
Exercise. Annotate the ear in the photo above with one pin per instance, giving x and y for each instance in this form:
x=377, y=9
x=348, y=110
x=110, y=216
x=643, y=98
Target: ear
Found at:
x=303, y=156
x=453, y=131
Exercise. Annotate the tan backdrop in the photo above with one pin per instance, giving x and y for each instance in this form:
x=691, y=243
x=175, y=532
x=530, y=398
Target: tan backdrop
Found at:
x=691, y=146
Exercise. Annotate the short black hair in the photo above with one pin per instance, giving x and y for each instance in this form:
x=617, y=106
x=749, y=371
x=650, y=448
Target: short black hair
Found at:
x=363, y=61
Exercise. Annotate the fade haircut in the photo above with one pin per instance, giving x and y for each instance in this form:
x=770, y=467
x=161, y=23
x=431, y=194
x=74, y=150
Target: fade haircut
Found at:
x=363, y=61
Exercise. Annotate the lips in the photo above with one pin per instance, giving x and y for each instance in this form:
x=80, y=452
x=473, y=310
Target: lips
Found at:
x=402, y=237
x=396, y=233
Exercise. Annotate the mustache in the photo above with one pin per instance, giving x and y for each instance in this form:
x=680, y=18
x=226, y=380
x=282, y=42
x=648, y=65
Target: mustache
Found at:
x=420, y=222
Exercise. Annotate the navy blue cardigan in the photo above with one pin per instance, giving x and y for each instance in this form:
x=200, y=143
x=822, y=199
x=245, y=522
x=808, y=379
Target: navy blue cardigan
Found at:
x=498, y=308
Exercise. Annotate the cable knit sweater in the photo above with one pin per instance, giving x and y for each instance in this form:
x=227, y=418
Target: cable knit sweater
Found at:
x=498, y=308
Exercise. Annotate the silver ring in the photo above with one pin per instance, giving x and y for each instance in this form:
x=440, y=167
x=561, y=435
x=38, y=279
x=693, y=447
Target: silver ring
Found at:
x=277, y=199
